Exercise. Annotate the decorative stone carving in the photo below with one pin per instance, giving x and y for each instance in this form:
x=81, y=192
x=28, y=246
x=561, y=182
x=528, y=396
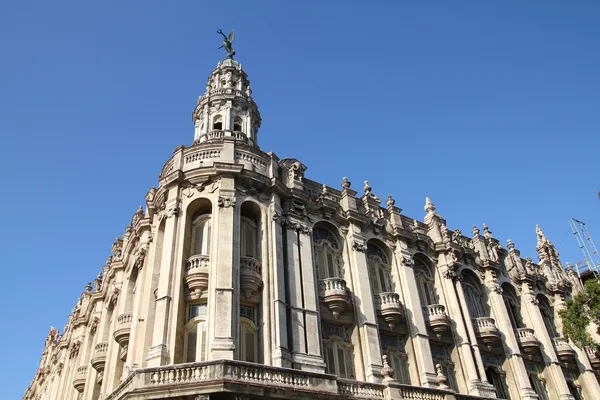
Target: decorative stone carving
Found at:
x=387, y=372
x=225, y=202
x=357, y=246
x=441, y=379
x=346, y=183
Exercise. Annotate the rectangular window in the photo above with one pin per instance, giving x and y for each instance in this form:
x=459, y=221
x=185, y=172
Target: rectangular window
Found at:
x=192, y=338
x=341, y=363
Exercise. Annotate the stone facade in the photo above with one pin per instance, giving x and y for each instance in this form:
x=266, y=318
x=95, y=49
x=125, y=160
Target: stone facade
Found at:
x=242, y=278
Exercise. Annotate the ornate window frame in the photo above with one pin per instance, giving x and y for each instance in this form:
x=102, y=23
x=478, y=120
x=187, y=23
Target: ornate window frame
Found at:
x=380, y=269
x=327, y=254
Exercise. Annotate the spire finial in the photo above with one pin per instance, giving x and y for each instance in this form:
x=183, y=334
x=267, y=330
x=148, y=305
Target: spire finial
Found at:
x=486, y=231
x=346, y=183
x=441, y=379
x=429, y=206
x=510, y=245
x=390, y=201
x=475, y=231
x=367, y=188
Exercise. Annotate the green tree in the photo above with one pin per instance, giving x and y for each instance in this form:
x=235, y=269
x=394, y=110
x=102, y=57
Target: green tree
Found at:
x=582, y=310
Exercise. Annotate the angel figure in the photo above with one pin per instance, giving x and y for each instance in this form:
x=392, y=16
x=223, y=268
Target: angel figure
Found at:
x=227, y=43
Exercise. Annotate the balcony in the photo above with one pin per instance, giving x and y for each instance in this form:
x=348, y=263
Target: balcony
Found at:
x=242, y=378
x=122, y=332
x=527, y=340
x=99, y=356
x=564, y=351
x=486, y=330
x=250, y=279
x=80, y=376
x=196, y=275
x=593, y=356
x=437, y=319
x=334, y=294
x=388, y=306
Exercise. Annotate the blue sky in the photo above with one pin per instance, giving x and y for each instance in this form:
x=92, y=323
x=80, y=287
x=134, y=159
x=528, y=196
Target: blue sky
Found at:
x=490, y=108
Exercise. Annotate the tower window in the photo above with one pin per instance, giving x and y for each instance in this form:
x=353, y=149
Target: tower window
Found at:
x=201, y=235
x=218, y=122
x=237, y=124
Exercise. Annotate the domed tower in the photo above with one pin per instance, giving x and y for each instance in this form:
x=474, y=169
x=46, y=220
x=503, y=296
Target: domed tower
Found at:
x=227, y=108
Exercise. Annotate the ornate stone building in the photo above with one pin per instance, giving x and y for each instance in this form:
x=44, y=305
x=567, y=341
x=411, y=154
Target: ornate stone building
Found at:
x=242, y=278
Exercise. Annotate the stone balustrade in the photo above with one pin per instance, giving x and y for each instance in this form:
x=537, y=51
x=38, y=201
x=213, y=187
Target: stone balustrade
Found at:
x=99, y=357
x=250, y=279
x=593, y=356
x=196, y=275
x=389, y=307
x=527, y=340
x=333, y=292
x=123, y=330
x=563, y=348
x=220, y=134
x=486, y=330
x=437, y=319
x=80, y=377
x=227, y=375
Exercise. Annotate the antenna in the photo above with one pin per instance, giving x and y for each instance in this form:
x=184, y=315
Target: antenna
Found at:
x=586, y=244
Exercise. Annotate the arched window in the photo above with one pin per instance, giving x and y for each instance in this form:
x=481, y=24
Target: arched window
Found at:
x=441, y=355
x=425, y=284
x=539, y=386
x=338, y=358
x=249, y=238
x=218, y=122
x=393, y=348
x=547, y=312
x=248, y=334
x=512, y=306
x=328, y=257
x=201, y=231
x=474, y=297
x=379, y=269
x=497, y=379
x=195, y=333
x=237, y=124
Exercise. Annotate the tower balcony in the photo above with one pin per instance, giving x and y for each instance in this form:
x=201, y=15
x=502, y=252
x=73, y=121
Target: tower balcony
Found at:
x=593, y=356
x=196, y=275
x=221, y=134
x=389, y=307
x=99, y=356
x=334, y=294
x=437, y=319
x=487, y=331
x=250, y=279
x=564, y=351
x=80, y=376
x=122, y=332
x=527, y=340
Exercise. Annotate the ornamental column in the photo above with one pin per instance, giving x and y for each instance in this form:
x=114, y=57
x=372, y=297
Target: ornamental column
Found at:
x=516, y=367
x=446, y=268
x=556, y=380
x=159, y=352
x=223, y=297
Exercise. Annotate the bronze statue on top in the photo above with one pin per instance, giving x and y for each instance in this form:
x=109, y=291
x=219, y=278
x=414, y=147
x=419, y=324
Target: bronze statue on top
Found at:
x=227, y=43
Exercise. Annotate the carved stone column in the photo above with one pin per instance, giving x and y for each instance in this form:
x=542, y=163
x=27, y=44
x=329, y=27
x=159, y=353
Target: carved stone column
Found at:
x=277, y=289
x=451, y=287
x=518, y=380
x=556, y=379
x=159, y=354
x=365, y=317
x=416, y=325
x=303, y=319
x=223, y=297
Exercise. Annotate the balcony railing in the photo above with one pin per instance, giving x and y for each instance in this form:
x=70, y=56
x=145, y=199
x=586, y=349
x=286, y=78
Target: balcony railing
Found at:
x=99, y=357
x=237, y=376
x=486, y=330
x=564, y=351
x=437, y=319
x=196, y=275
x=250, y=278
x=334, y=294
x=527, y=340
x=122, y=332
x=593, y=356
x=80, y=376
x=388, y=305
